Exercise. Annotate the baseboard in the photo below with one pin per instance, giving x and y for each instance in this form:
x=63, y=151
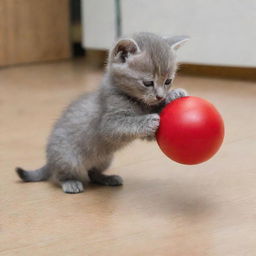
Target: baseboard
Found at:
x=99, y=58
x=96, y=58
x=239, y=73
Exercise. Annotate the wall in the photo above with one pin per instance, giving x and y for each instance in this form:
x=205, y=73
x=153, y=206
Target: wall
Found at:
x=222, y=32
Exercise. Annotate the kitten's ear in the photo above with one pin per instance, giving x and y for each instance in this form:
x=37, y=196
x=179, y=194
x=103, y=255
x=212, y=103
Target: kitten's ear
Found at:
x=123, y=49
x=176, y=42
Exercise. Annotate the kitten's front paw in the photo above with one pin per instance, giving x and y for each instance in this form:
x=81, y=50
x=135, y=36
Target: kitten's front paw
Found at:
x=151, y=124
x=175, y=94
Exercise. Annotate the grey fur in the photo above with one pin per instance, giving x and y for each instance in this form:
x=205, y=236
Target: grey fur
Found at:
x=36, y=175
x=96, y=125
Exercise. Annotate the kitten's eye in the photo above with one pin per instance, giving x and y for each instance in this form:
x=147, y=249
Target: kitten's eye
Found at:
x=148, y=83
x=168, y=81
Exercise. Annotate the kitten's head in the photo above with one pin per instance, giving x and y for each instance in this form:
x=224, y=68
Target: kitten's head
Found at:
x=144, y=66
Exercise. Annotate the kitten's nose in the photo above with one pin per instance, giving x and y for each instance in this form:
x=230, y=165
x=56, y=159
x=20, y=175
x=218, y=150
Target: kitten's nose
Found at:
x=159, y=97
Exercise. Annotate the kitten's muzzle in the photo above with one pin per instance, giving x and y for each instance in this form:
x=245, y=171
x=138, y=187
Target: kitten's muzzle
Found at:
x=160, y=98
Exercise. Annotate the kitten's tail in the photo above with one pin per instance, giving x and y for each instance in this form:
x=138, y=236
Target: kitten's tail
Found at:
x=36, y=175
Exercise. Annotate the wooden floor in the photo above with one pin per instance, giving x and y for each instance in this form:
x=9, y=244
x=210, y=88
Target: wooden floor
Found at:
x=163, y=208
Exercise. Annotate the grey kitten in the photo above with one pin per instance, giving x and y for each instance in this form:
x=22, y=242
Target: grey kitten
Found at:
x=135, y=88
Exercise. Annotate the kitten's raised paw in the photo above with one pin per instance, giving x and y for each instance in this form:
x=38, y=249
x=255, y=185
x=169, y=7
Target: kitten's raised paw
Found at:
x=107, y=180
x=175, y=94
x=72, y=186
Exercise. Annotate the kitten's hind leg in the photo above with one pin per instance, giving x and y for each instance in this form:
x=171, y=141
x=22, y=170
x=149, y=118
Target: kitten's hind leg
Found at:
x=72, y=186
x=98, y=177
x=96, y=174
x=70, y=179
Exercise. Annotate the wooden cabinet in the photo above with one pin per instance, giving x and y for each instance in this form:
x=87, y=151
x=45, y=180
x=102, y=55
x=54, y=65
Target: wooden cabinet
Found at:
x=33, y=31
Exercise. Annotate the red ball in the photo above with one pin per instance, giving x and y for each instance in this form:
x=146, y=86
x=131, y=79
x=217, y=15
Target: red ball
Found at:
x=191, y=130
